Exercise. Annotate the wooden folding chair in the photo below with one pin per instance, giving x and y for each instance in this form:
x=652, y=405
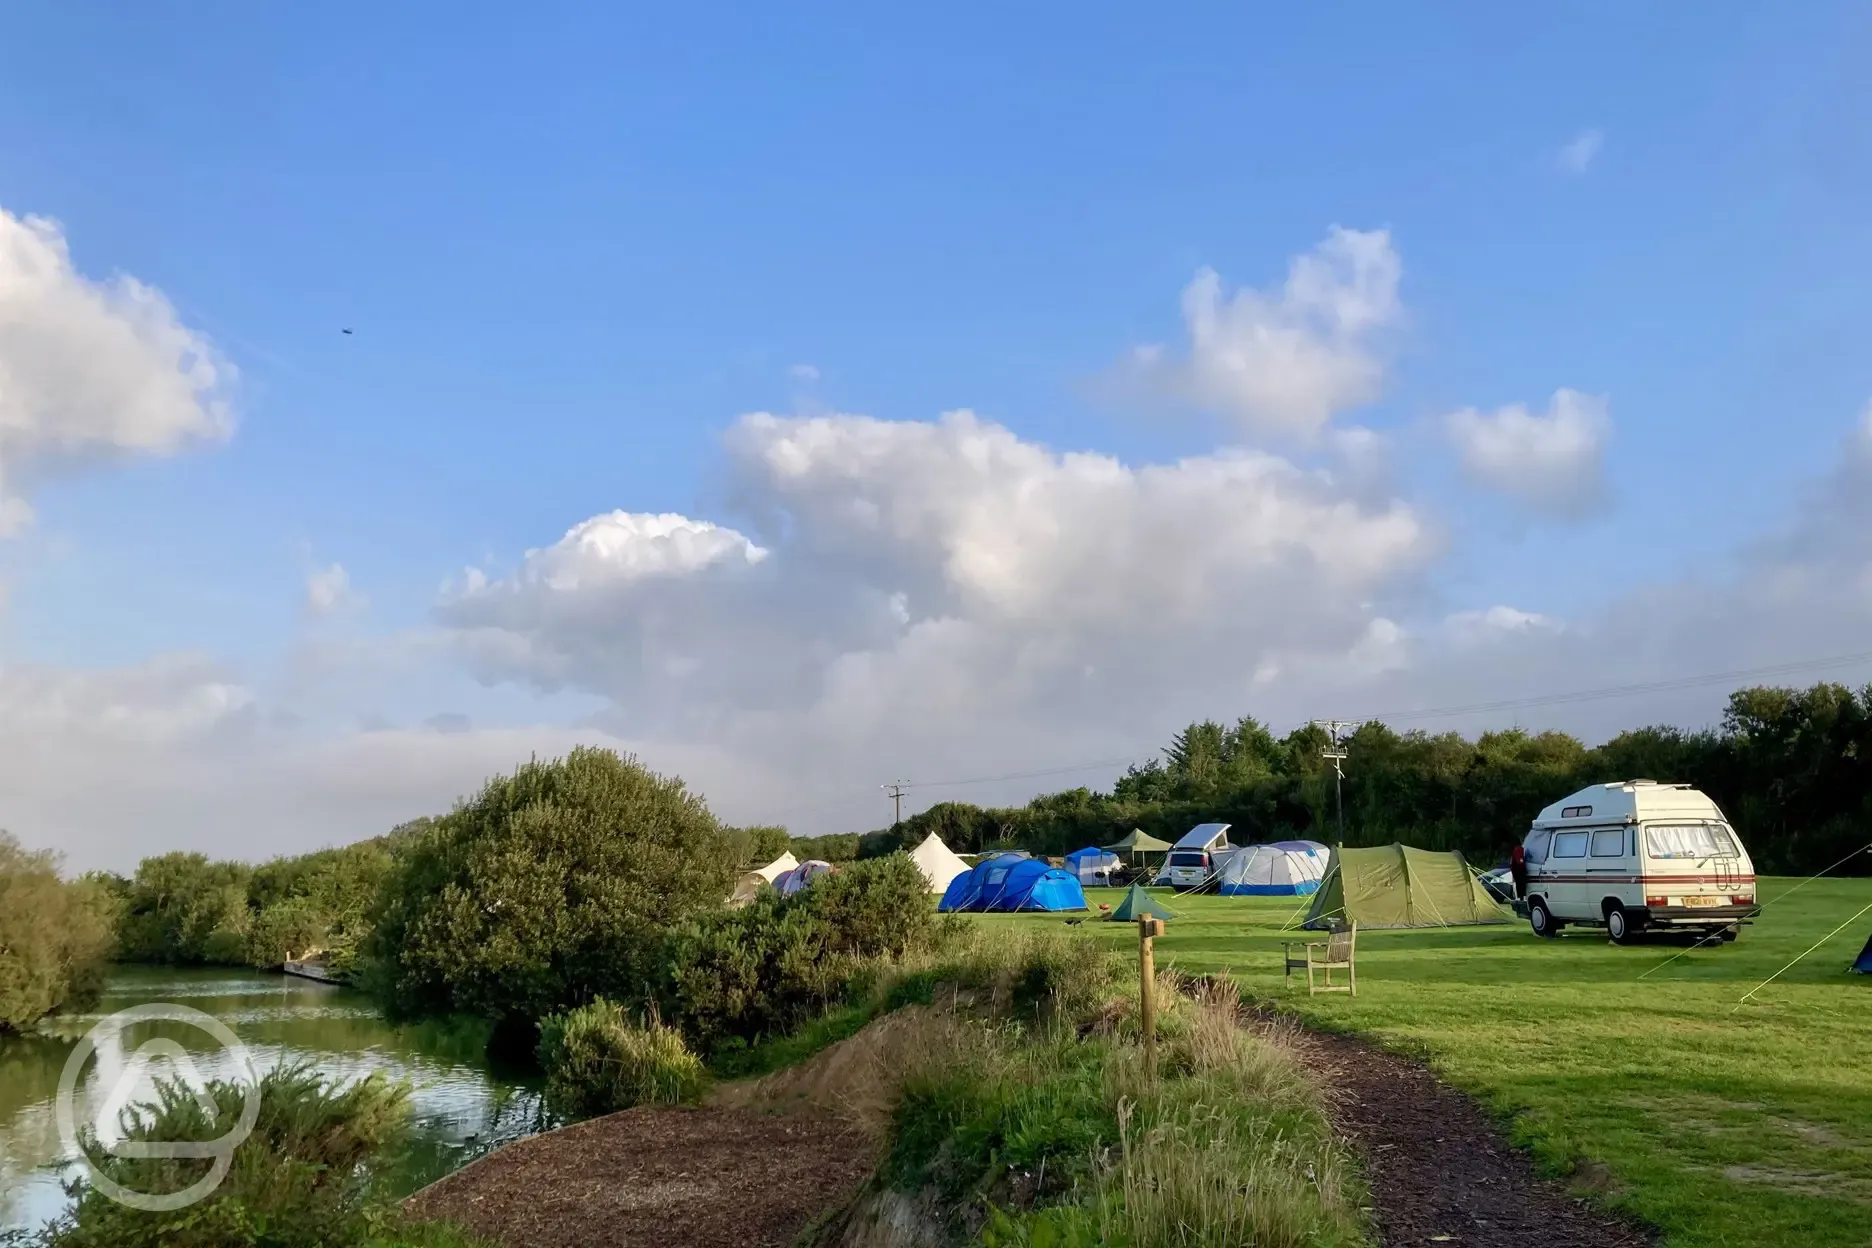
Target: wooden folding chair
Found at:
x=1336, y=952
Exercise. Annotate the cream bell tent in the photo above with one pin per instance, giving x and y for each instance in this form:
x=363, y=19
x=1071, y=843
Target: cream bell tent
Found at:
x=749, y=886
x=938, y=863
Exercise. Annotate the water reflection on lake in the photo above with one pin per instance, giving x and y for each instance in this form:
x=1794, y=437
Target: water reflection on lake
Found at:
x=462, y=1104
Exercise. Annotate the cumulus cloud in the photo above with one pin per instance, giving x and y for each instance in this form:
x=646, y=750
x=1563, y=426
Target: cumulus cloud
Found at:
x=1283, y=361
x=327, y=589
x=948, y=594
x=91, y=370
x=1552, y=461
x=1576, y=157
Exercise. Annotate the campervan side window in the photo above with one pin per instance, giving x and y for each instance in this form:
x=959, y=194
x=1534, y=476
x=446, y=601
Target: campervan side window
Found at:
x=1688, y=840
x=1536, y=846
x=1608, y=843
x=1570, y=845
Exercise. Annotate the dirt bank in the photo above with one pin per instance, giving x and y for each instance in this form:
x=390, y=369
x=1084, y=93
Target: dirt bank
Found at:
x=675, y=1178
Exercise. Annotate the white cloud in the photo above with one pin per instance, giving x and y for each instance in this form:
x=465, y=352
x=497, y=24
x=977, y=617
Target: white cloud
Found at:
x=1553, y=461
x=803, y=372
x=328, y=589
x=1577, y=156
x=91, y=370
x=1471, y=628
x=947, y=588
x=1284, y=361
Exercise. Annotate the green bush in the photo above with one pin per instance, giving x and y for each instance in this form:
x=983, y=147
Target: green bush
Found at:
x=54, y=937
x=598, y=1061
x=554, y=886
x=739, y=976
x=302, y=1179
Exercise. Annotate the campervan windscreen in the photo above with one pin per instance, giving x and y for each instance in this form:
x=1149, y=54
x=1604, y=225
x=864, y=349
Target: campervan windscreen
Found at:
x=1189, y=858
x=1689, y=840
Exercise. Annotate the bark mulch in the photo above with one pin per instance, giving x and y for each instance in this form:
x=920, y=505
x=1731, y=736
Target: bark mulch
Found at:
x=1440, y=1172
x=698, y=1178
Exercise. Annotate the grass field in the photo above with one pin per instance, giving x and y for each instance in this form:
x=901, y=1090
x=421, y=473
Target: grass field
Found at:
x=1745, y=1128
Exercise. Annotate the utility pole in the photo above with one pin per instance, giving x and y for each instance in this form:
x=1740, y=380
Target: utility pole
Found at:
x=896, y=789
x=1335, y=751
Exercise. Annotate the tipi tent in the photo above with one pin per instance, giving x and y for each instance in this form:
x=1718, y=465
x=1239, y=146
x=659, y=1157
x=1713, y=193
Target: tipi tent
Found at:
x=1138, y=904
x=799, y=877
x=1283, y=869
x=1092, y=866
x=1134, y=847
x=938, y=863
x=1398, y=886
x=1864, y=964
x=1006, y=883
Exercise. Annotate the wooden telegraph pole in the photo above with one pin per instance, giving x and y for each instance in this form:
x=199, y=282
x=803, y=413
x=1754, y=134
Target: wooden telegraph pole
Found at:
x=1148, y=930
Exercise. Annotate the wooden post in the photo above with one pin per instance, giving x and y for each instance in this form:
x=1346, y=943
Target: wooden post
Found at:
x=1148, y=928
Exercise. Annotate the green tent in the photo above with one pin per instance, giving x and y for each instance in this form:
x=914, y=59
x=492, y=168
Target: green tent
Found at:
x=1397, y=886
x=1137, y=904
x=1138, y=843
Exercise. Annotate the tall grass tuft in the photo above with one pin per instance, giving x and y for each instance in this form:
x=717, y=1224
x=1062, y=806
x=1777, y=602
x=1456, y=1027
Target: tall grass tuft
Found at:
x=303, y=1179
x=598, y=1061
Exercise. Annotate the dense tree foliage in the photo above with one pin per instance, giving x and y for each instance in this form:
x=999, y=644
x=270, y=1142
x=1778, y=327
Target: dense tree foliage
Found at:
x=1791, y=768
x=54, y=936
x=183, y=908
x=552, y=887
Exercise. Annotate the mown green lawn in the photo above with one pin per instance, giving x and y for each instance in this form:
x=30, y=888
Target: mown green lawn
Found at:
x=1745, y=1128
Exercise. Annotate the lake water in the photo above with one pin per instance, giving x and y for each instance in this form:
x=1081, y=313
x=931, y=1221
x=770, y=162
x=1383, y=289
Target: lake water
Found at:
x=463, y=1105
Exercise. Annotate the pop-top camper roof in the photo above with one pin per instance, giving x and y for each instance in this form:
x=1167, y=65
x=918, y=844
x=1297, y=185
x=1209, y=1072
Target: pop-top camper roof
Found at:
x=1628, y=801
x=1210, y=836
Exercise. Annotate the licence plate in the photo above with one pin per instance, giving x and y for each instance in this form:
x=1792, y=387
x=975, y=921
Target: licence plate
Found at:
x=1703, y=901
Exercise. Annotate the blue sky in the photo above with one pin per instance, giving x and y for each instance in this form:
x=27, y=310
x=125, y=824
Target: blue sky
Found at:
x=576, y=247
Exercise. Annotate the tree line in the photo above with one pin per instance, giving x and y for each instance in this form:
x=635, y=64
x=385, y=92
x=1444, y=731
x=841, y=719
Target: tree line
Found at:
x=1792, y=768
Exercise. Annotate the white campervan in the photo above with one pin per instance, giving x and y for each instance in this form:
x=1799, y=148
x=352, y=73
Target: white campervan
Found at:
x=1637, y=855
x=1195, y=858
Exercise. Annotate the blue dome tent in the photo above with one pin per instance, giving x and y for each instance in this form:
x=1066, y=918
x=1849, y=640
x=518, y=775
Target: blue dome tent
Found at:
x=966, y=891
x=1864, y=964
x=1005, y=884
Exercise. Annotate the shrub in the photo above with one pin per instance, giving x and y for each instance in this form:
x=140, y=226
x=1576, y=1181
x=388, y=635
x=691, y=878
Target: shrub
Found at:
x=302, y=1179
x=738, y=976
x=54, y=937
x=598, y=1061
x=553, y=886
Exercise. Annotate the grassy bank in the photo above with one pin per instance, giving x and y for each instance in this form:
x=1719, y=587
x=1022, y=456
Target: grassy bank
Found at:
x=1724, y=1127
x=1014, y=1104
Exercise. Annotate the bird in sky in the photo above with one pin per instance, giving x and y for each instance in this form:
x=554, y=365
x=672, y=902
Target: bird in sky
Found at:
x=347, y=331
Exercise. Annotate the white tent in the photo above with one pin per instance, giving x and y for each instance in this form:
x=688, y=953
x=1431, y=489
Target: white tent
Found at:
x=778, y=867
x=1283, y=869
x=938, y=863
